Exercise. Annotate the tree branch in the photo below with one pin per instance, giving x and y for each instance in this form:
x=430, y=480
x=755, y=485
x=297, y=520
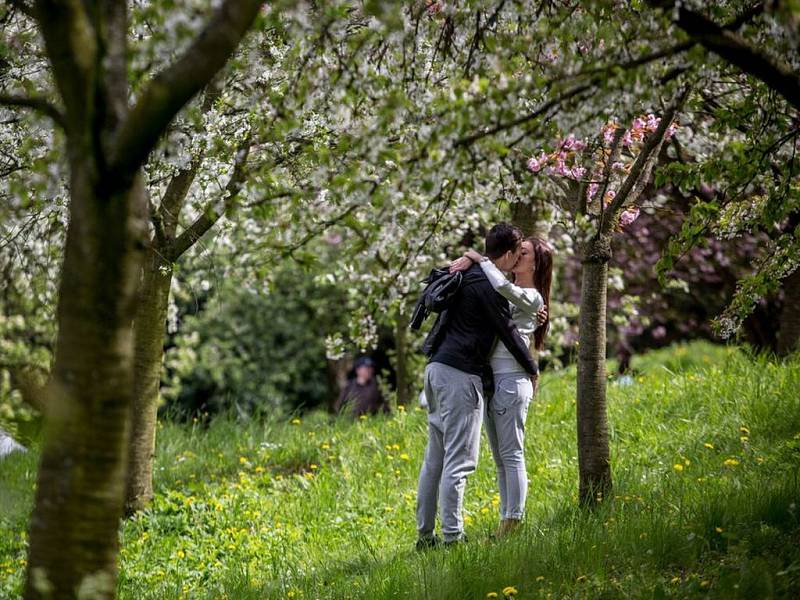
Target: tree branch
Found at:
x=214, y=211
x=37, y=104
x=616, y=150
x=72, y=49
x=23, y=7
x=570, y=93
x=734, y=49
x=640, y=172
x=171, y=89
x=169, y=209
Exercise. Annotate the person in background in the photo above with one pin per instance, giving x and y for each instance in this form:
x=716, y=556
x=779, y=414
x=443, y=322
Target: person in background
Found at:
x=362, y=394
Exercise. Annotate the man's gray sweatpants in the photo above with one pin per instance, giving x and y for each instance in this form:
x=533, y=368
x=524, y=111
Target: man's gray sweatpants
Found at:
x=455, y=409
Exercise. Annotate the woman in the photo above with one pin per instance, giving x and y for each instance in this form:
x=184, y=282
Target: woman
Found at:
x=513, y=389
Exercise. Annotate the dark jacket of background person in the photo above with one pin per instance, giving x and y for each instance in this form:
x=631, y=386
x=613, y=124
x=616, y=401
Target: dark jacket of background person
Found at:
x=363, y=399
x=477, y=316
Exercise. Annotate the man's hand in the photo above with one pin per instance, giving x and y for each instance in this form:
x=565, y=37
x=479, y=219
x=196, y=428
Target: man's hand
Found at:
x=541, y=316
x=460, y=264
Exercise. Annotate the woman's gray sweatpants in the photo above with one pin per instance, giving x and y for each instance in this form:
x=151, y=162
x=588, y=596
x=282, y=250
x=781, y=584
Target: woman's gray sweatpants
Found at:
x=455, y=408
x=505, y=428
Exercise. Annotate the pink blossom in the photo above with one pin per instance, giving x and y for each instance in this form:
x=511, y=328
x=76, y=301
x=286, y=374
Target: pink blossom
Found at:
x=434, y=7
x=591, y=190
x=609, y=197
x=626, y=139
x=638, y=123
x=618, y=166
x=536, y=164
x=628, y=216
x=652, y=122
x=608, y=133
x=573, y=144
x=577, y=172
x=673, y=127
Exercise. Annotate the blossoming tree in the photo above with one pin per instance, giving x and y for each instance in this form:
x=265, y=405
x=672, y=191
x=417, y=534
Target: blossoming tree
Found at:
x=106, y=140
x=600, y=183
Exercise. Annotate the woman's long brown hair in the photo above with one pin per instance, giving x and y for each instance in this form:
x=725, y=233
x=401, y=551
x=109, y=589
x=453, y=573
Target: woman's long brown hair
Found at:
x=542, y=279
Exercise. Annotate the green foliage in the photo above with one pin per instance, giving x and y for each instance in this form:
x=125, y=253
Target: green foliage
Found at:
x=706, y=459
x=255, y=347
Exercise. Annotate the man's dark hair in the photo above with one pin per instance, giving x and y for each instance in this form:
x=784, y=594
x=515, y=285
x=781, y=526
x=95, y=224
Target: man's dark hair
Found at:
x=502, y=238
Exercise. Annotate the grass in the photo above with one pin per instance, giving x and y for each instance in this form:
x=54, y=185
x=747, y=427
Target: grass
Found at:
x=706, y=458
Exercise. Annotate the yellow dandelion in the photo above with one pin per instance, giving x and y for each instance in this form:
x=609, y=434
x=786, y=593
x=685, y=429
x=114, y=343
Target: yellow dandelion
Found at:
x=484, y=510
x=181, y=554
x=731, y=462
x=510, y=591
x=581, y=579
x=675, y=580
x=705, y=583
x=678, y=467
x=242, y=460
x=259, y=469
x=362, y=417
x=540, y=578
x=491, y=595
x=718, y=529
x=295, y=421
x=744, y=439
x=404, y=456
x=744, y=430
x=401, y=408
x=687, y=462
x=709, y=446
x=395, y=446
x=325, y=446
x=313, y=467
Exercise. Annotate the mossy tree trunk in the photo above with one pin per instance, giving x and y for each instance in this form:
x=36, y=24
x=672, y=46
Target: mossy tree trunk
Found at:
x=594, y=463
x=81, y=481
x=151, y=316
x=402, y=359
x=165, y=248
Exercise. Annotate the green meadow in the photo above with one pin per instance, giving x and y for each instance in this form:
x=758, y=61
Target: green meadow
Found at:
x=706, y=458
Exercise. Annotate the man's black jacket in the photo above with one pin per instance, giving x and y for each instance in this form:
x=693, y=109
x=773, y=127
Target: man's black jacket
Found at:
x=478, y=315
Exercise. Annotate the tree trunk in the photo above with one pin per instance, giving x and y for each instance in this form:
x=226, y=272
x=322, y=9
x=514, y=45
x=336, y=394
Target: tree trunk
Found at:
x=593, y=451
x=337, y=379
x=401, y=357
x=151, y=316
x=529, y=218
x=789, y=328
x=73, y=529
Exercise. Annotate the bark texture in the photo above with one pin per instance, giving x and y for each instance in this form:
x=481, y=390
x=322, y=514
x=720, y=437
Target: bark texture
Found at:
x=594, y=464
x=151, y=316
x=81, y=480
x=527, y=216
x=73, y=530
x=401, y=359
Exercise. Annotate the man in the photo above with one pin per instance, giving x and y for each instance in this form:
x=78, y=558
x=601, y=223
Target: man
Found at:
x=362, y=392
x=476, y=318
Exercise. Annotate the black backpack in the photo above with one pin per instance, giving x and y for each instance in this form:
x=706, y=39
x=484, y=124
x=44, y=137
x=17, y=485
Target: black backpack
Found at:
x=441, y=288
x=436, y=297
